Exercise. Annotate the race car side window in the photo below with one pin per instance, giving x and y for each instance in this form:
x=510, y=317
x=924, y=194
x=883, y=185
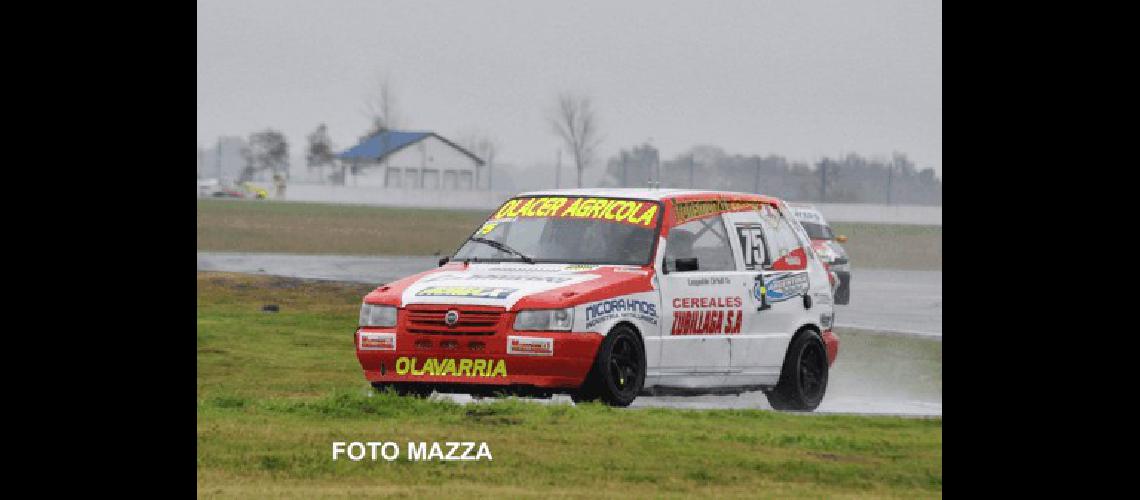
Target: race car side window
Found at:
x=706, y=239
x=782, y=239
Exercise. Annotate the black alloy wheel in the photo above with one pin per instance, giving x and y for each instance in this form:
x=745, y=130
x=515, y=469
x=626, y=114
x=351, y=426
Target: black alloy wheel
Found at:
x=618, y=373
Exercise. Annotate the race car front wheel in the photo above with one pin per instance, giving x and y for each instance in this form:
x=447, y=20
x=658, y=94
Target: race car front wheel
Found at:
x=803, y=379
x=618, y=372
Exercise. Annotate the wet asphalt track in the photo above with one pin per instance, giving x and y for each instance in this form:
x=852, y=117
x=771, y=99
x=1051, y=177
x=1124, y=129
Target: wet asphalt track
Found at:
x=907, y=303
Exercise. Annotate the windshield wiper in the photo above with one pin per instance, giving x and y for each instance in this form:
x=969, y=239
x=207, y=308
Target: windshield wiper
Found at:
x=502, y=246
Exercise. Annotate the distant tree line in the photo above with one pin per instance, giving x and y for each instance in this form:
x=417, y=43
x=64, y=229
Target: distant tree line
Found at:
x=847, y=179
x=844, y=179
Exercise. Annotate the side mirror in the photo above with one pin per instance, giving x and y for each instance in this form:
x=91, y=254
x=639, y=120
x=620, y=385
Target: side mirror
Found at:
x=690, y=264
x=443, y=260
x=841, y=238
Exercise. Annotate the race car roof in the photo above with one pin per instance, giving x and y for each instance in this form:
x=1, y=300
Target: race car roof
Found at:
x=644, y=194
x=807, y=211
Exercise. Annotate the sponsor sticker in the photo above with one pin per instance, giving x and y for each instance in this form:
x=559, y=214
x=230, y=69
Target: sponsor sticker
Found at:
x=639, y=213
x=580, y=267
x=782, y=286
x=377, y=341
x=482, y=292
x=530, y=346
x=692, y=210
x=487, y=228
x=631, y=270
x=808, y=216
x=629, y=308
x=463, y=367
x=707, y=315
x=500, y=277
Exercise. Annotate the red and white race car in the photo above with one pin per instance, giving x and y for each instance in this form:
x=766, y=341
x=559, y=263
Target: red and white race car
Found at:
x=608, y=294
x=827, y=245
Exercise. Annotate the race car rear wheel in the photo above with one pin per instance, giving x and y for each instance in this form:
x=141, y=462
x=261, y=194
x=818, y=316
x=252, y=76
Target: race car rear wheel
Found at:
x=843, y=296
x=618, y=372
x=803, y=379
x=843, y=291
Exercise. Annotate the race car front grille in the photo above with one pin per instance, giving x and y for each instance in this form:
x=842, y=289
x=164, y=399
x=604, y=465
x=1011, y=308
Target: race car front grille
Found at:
x=431, y=320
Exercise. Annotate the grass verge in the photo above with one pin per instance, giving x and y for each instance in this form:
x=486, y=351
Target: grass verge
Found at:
x=314, y=228
x=276, y=389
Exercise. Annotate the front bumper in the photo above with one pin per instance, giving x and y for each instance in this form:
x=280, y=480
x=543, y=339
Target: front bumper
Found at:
x=831, y=342
x=479, y=361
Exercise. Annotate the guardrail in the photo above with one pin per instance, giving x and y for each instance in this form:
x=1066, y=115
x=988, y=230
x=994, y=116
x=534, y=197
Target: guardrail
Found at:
x=489, y=200
x=882, y=214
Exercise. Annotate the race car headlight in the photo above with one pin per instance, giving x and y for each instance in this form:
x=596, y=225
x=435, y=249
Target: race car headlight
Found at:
x=561, y=320
x=373, y=315
x=825, y=253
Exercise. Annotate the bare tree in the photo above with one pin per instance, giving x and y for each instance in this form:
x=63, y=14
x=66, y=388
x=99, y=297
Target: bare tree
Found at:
x=320, y=150
x=485, y=147
x=381, y=108
x=575, y=123
x=268, y=150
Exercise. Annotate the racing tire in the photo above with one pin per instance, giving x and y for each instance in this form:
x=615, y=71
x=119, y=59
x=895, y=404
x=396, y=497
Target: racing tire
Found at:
x=618, y=373
x=843, y=295
x=843, y=291
x=408, y=390
x=803, y=378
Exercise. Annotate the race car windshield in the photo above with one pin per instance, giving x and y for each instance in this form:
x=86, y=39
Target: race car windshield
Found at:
x=818, y=231
x=574, y=230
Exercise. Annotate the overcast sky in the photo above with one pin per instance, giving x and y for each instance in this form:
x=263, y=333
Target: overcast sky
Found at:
x=803, y=79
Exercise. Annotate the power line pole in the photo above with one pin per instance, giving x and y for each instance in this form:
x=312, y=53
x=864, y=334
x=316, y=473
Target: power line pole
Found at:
x=624, y=155
x=823, y=180
x=890, y=173
x=218, y=159
x=756, y=186
x=657, y=164
x=690, y=171
x=558, y=171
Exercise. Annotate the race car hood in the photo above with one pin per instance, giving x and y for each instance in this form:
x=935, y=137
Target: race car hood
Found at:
x=514, y=285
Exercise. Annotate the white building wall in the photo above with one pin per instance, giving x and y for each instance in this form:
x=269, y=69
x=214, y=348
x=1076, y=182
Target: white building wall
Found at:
x=430, y=164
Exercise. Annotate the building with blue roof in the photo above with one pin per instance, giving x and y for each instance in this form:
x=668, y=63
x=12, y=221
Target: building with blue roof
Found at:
x=414, y=160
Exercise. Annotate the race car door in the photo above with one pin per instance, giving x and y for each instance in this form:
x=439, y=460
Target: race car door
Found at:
x=702, y=295
x=777, y=273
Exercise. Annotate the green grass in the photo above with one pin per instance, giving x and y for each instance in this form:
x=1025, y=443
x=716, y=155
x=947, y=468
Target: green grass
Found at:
x=313, y=228
x=276, y=389
x=892, y=246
